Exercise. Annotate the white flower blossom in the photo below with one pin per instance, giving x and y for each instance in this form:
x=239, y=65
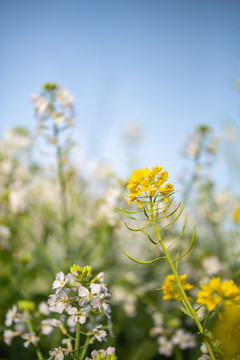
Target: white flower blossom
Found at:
x=43, y=308
x=47, y=325
x=60, y=281
x=87, y=296
x=68, y=343
x=109, y=351
x=77, y=315
x=30, y=338
x=99, y=333
x=165, y=346
x=10, y=316
x=184, y=339
x=58, y=353
x=59, y=302
x=8, y=335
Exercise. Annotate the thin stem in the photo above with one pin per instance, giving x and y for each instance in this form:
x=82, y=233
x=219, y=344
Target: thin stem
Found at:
x=63, y=188
x=38, y=351
x=184, y=297
x=77, y=341
x=85, y=346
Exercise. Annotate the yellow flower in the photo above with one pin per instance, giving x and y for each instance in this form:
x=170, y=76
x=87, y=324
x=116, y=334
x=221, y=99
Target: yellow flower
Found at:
x=150, y=183
x=216, y=292
x=25, y=305
x=170, y=287
x=236, y=215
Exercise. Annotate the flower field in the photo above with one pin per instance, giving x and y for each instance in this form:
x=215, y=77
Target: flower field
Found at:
x=94, y=266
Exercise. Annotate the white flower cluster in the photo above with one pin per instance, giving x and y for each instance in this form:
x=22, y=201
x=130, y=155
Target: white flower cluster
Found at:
x=79, y=298
x=168, y=338
x=55, y=103
x=81, y=303
x=19, y=320
x=108, y=354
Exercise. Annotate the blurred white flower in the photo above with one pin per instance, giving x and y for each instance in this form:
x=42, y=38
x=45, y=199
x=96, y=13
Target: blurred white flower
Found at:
x=184, y=339
x=43, y=308
x=30, y=338
x=212, y=265
x=8, y=335
x=10, y=316
x=165, y=346
x=17, y=200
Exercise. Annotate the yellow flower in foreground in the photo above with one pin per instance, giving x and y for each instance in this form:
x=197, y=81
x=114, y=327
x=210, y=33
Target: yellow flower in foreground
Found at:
x=215, y=292
x=236, y=215
x=170, y=287
x=151, y=183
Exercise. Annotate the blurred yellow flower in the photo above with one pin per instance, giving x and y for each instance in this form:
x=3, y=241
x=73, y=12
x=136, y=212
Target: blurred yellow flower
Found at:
x=149, y=182
x=170, y=287
x=236, y=215
x=215, y=292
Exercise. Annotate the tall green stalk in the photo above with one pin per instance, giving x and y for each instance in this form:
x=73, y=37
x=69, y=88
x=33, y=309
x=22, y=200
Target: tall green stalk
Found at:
x=184, y=297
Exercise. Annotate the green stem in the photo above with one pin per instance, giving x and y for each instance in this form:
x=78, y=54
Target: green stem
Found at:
x=77, y=341
x=177, y=354
x=63, y=188
x=85, y=346
x=38, y=351
x=184, y=297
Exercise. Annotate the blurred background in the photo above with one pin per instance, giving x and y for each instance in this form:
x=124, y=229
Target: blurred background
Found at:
x=162, y=66
x=149, y=83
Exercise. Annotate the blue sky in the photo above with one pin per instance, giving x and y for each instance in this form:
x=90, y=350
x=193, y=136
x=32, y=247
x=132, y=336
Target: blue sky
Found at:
x=168, y=65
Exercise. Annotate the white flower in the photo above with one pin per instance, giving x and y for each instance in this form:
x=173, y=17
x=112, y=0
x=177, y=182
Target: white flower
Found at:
x=87, y=296
x=110, y=350
x=41, y=104
x=60, y=281
x=43, y=308
x=11, y=315
x=4, y=232
x=68, y=342
x=183, y=339
x=77, y=315
x=58, y=118
x=58, y=353
x=99, y=333
x=9, y=335
x=165, y=346
x=17, y=200
x=47, y=325
x=31, y=339
x=64, y=97
x=58, y=302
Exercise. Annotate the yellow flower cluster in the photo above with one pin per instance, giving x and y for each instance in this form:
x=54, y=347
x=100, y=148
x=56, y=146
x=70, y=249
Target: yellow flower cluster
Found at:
x=215, y=292
x=25, y=305
x=81, y=272
x=170, y=287
x=236, y=215
x=149, y=182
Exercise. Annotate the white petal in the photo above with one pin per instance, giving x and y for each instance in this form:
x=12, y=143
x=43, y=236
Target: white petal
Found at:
x=56, y=284
x=82, y=291
x=72, y=311
x=95, y=288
